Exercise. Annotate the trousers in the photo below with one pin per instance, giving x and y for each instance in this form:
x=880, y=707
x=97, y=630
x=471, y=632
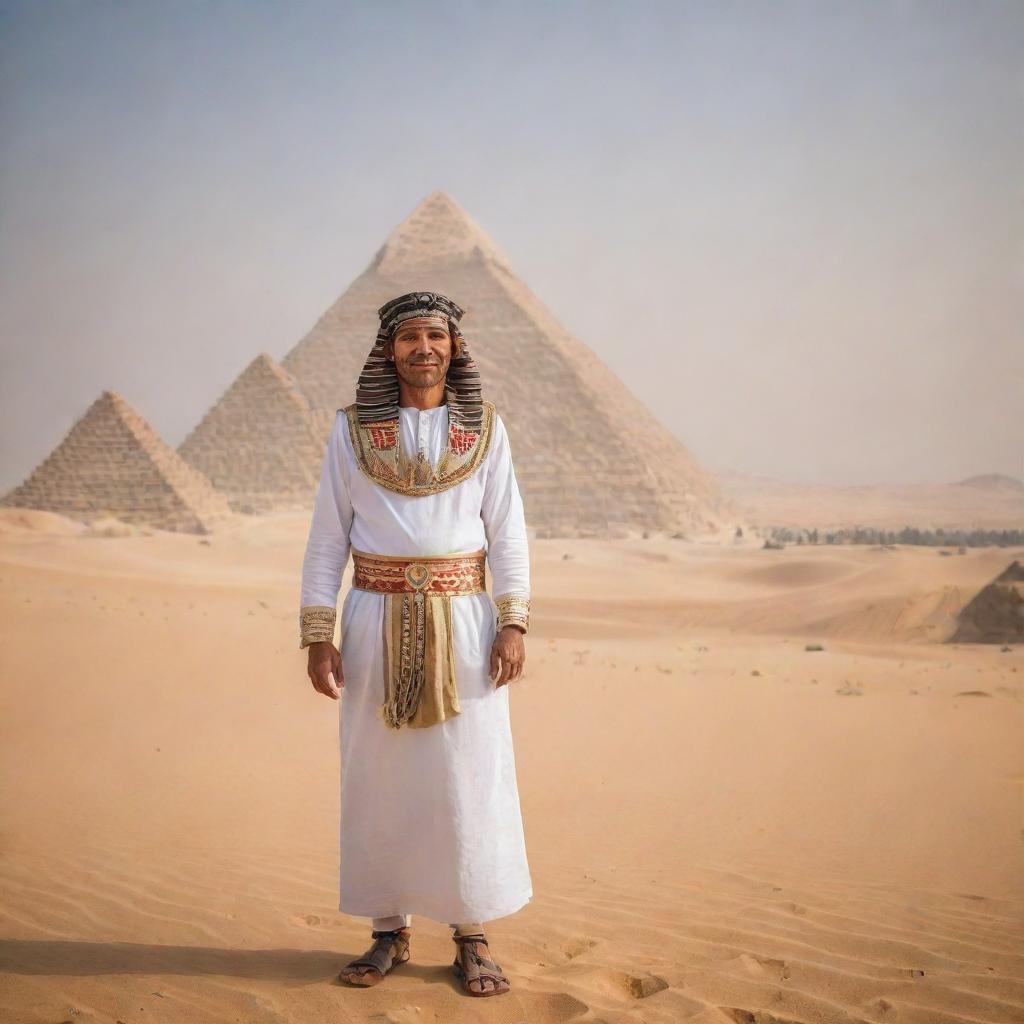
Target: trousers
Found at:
x=387, y=924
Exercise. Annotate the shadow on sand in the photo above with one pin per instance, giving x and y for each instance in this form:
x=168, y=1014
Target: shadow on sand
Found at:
x=83, y=959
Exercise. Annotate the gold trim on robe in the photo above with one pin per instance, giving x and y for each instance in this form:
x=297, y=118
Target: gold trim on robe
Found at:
x=513, y=610
x=419, y=661
x=316, y=623
x=378, y=451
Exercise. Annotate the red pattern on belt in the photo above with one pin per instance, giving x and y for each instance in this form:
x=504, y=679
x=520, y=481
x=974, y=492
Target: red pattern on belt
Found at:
x=448, y=574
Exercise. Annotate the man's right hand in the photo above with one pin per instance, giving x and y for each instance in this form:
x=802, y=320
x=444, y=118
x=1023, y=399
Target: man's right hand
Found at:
x=325, y=660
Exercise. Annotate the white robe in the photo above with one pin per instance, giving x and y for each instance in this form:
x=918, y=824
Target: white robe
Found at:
x=430, y=817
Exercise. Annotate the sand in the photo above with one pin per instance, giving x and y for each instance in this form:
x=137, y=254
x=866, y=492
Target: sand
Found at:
x=722, y=826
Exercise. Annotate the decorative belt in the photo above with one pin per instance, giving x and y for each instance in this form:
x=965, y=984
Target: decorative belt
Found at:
x=435, y=574
x=419, y=657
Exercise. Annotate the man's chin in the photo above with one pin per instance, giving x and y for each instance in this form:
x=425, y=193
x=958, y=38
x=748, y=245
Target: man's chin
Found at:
x=425, y=378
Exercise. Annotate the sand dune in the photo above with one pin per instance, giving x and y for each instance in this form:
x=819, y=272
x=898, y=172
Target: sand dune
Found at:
x=722, y=826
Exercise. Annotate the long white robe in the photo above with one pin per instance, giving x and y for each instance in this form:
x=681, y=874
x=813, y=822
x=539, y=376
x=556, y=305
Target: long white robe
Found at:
x=430, y=817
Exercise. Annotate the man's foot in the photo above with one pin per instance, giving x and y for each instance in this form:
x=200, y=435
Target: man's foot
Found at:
x=388, y=950
x=479, y=974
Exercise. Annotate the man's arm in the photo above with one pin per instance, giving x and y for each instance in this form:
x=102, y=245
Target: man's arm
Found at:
x=508, y=555
x=327, y=546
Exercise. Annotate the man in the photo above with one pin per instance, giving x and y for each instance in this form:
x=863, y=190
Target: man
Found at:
x=418, y=484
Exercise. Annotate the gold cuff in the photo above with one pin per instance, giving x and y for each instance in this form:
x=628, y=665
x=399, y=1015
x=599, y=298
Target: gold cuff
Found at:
x=316, y=623
x=513, y=610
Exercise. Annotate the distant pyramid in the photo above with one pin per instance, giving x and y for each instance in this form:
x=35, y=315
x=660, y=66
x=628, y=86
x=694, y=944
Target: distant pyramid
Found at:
x=995, y=615
x=112, y=462
x=261, y=444
x=590, y=457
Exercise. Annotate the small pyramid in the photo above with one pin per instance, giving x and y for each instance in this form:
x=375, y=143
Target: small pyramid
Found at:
x=590, y=457
x=260, y=444
x=995, y=615
x=112, y=463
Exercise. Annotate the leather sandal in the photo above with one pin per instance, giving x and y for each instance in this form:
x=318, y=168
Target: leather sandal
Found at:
x=471, y=967
x=388, y=950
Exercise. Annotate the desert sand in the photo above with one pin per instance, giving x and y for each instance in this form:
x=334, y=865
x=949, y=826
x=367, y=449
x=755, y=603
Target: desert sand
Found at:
x=722, y=825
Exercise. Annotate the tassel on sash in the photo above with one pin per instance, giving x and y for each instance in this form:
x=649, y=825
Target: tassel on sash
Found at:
x=419, y=660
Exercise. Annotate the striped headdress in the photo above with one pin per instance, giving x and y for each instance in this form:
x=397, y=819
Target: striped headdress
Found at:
x=377, y=390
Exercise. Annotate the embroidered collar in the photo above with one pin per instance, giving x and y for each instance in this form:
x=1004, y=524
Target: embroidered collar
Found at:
x=378, y=451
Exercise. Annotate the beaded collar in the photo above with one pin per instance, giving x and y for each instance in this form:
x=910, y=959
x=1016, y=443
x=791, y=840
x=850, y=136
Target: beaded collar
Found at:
x=378, y=451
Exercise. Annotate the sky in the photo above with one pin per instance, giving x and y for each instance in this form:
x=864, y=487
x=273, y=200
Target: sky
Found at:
x=794, y=229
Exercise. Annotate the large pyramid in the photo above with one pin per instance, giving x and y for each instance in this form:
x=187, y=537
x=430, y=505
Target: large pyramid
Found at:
x=112, y=462
x=261, y=444
x=590, y=457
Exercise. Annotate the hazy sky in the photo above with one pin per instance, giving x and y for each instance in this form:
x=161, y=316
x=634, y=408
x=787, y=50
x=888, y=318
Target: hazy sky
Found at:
x=795, y=229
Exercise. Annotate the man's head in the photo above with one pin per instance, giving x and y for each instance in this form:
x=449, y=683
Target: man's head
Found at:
x=430, y=349
x=422, y=348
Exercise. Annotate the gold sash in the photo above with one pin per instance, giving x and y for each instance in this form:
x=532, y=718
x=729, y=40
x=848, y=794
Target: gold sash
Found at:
x=419, y=659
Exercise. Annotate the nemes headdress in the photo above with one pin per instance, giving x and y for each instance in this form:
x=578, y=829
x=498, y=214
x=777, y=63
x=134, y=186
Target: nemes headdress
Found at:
x=374, y=421
x=377, y=390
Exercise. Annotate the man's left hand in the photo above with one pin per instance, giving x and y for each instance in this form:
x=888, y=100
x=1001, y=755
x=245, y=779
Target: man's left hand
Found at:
x=508, y=655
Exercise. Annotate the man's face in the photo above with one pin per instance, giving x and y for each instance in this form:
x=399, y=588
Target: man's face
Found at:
x=422, y=350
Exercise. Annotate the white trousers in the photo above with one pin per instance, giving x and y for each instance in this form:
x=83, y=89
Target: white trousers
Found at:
x=387, y=924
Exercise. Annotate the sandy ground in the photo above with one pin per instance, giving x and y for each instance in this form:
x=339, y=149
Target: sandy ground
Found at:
x=722, y=826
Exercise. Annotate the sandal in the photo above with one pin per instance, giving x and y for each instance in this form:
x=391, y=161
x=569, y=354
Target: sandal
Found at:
x=388, y=949
x=471, y=967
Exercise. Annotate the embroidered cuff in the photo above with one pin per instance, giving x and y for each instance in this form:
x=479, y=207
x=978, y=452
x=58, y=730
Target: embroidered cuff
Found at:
x=316, y=623
x=513, y=610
